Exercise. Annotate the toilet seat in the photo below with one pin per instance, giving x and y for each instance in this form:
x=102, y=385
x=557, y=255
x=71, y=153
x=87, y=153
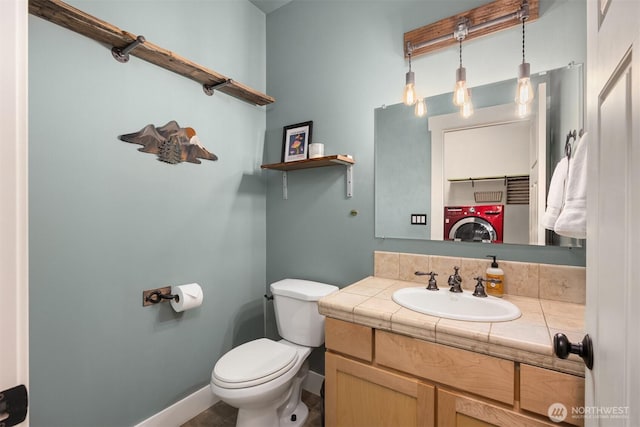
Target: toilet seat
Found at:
x=253, y=363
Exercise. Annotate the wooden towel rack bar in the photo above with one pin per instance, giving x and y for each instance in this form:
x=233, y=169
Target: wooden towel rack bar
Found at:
x=103, y=32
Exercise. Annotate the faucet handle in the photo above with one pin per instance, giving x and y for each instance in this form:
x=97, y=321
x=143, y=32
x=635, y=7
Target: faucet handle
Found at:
x=433, y=285
x=479, y=290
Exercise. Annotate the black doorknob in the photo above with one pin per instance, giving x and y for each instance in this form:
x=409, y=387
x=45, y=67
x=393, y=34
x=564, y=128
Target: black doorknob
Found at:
x=563, y=347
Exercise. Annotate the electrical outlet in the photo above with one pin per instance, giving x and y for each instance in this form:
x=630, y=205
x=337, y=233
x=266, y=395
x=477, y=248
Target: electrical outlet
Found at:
x=419, y=219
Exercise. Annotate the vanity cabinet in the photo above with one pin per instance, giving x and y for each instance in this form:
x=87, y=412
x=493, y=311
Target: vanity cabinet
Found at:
x=359, y=394
x=379, y=378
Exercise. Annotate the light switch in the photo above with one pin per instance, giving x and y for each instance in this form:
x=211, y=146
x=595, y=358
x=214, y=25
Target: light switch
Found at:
x=419, y=219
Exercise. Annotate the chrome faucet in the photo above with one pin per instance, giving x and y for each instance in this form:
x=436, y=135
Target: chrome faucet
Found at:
x=455, y=281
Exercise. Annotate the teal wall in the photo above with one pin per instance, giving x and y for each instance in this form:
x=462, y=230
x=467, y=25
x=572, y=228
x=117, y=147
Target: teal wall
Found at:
x=335, y=63
x=107, y=222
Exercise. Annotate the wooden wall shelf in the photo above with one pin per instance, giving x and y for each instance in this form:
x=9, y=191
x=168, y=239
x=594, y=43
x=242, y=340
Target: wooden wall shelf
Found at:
x=318, y=162
x=80, y=22
x=335, y=160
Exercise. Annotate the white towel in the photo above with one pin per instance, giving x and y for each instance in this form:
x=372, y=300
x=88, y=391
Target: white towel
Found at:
x=572, y=221
x=555, y=198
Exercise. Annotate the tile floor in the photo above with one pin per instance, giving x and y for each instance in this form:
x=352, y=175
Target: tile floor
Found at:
x=223, y=415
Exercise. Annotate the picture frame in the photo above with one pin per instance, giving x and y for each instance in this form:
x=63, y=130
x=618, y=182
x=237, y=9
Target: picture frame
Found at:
x=295, y=141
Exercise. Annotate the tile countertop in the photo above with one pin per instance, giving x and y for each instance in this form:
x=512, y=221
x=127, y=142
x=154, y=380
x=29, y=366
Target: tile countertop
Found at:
x=528, y=339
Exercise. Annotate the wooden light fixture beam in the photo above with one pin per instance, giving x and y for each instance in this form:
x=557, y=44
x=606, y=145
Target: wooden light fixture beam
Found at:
x=443, y=30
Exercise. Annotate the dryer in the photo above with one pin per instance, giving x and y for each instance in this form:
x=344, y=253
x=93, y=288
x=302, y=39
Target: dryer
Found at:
x=481, y=223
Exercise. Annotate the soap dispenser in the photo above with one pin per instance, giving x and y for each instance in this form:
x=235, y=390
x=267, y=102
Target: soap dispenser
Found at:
x=495, y=279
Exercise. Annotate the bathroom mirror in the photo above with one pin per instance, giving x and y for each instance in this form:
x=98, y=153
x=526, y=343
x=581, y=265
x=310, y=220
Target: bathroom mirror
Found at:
x=493, y=159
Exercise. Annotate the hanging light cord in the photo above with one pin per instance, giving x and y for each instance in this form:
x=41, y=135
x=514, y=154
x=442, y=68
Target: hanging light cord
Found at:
x=523, y=61
x=460, y=42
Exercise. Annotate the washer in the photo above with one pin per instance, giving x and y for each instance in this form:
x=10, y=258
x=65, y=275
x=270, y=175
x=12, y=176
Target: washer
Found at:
x=482, y=223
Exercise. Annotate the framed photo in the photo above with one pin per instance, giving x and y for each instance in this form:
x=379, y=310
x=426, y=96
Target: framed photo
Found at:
x=295, y=141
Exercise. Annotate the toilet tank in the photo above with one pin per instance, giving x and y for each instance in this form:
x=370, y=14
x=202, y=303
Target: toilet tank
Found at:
x=296, y=306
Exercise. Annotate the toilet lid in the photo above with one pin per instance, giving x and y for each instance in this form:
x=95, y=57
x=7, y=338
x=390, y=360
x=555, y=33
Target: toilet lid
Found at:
x=254, y=363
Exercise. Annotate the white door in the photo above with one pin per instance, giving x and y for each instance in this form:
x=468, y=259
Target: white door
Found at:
x=613, y=235
x=14, y=335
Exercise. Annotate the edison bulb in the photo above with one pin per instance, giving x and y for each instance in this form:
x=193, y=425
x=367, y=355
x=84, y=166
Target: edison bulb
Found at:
x=522, y=110
x=524, y=92
x=467, y=109
x=460, y=92
x=421, y=108
x=409, y=96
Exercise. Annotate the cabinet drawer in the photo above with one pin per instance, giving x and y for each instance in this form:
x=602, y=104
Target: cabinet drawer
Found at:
x=476, y=373
x=540, y=388
x=349, y=338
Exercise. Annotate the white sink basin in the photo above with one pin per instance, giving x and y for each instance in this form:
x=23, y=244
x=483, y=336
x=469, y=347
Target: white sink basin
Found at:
x=458, y=306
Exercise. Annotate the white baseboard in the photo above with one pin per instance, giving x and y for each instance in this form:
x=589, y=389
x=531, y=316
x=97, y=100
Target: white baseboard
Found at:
x=187, y=408
x=183, y=410
x=313, y=383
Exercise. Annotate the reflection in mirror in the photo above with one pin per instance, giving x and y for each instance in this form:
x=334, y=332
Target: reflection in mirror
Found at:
x=492, y=166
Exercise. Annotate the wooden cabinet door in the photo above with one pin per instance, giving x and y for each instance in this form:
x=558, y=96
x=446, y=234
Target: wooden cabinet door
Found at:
x=457, y=410
x=361, y=395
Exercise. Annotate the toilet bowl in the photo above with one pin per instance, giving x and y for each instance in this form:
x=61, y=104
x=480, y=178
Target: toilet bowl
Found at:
x=263, y=378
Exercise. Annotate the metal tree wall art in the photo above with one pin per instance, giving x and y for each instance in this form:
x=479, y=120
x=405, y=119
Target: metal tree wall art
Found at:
x=171, y=143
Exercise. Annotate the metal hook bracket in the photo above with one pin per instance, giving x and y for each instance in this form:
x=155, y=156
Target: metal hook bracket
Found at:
x=209, y=89
x=122, y=55
x=523, y=13
x=155, y=296
x=567, y=145
x=462, y=29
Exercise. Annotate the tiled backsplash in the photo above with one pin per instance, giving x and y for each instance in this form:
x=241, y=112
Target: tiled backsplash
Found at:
x=545, y=281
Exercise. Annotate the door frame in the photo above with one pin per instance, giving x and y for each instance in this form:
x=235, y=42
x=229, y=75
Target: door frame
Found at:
x=14, y=218
x=612, y=62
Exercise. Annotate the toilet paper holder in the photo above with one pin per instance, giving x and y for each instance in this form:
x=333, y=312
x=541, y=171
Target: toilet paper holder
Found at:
x=155, y=296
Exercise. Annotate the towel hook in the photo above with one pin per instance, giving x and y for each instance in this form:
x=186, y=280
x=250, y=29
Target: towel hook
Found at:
x=567, y=145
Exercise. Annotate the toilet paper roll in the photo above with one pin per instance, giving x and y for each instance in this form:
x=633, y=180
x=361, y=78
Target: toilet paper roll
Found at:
x=189, y=296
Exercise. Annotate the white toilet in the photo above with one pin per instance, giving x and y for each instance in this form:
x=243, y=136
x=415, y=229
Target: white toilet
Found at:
x=263, y=378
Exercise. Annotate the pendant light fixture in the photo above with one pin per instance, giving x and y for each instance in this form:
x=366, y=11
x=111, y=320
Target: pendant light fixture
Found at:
x=524, y=91
x=421, y=108
x=523, y=110
x=466, y=110
x=460, y=91
x=409, y=95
